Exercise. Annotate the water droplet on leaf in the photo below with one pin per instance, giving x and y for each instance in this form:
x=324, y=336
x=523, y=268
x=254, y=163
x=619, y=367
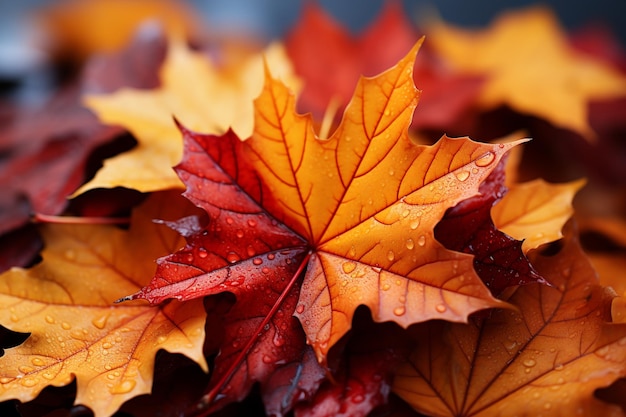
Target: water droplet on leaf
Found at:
x=485, y=159
x=529, y=362
x=100, y=322
x=348, y=267
x=124, y=388
x=232, y=257
x=462, y=175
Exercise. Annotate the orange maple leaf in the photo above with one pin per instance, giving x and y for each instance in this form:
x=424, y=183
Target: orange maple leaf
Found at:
x=531, y=67
x=65, y=302
x=362, y=204
x=548, y=357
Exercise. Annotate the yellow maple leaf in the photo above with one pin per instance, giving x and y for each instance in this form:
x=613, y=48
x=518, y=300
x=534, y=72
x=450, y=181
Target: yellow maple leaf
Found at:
x=81, y=28
x=65, y=302
x=531, y=67
x=535, y=211
x=194, y=90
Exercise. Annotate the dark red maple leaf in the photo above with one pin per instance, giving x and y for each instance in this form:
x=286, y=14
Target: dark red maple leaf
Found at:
x=468, y=227
x=263, y=342
x=362, y=370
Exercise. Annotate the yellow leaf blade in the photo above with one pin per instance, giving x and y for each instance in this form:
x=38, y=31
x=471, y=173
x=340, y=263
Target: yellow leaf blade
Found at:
x=531, y=67
x=190, y=87
x=536, y=211
x=65, y=302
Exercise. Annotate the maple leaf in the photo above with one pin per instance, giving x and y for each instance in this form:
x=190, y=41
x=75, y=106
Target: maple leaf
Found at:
x=76, y=332
x=535, y=211
x=190, y=86
x=309, y=202
x=531, y=67
x=549, y=356
x=362, y=378
x=332, y=61
x=468, y=227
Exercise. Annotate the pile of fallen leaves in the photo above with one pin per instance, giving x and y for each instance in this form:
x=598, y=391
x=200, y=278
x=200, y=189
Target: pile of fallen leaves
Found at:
x=200, y=225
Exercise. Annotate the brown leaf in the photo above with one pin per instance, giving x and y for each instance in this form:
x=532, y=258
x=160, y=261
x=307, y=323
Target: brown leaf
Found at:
x=548, y=357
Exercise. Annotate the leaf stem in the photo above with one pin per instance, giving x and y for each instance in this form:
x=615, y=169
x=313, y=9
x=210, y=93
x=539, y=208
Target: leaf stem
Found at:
x=47, y=218
x=208, y=398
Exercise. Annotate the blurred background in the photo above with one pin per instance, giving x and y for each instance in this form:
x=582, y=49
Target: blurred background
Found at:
x=269, y=19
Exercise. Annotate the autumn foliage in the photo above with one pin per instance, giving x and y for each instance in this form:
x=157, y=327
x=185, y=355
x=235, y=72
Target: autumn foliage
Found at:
x=203, y=226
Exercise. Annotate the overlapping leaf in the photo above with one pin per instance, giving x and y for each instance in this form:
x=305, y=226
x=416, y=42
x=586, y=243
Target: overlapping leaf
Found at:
x=202, y=95
x=546, y=358
x=542, y=75
x=287, y=189
x=468, y=227
x=65, y=303
x=536, y=211
x=331, y=62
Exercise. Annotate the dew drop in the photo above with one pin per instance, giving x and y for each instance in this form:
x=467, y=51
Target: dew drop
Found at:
x=462, y=175
x=440, y=308
x=603, y=351
x=28, y=382
x=265, y=270
x=387, y=112
x=14, y=318
x=391, y=256
x=267, y=359
x=257, y=261
x=161, y=339
x=421, y=240
x=37, y=362
x=237, y=281
x=300, y=309
x=50, y=320
x=278, y=340
x=25, y=369
x=123, y=388
x=410, y=244
x=47, y=375
x=229, y=220
x=385, y=287
x=107, y=345
x=66, y=326
x=202, y=253
x=271, y=256
x=70, y=255
x=399, y=311
x=358, y=399
x=406, y=213
x=485, y=159
x=529, y=362
x=100, y=322
x=251, y=222
x=558, y=367
x=111, y=376
x=232, y=257
x=239, y=233
x=348, y=267
x=6, y=380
